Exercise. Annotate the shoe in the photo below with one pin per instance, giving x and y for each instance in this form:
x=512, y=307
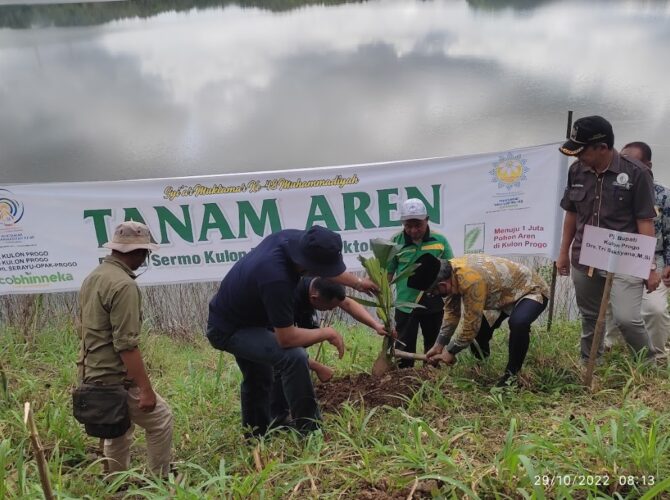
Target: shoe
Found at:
x=508, y=380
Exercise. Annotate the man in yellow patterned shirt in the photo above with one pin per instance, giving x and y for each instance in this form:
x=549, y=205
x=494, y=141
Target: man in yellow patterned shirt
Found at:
x=489, y=290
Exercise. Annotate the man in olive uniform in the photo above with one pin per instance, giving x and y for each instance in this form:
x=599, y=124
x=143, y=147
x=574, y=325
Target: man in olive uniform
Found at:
x=111, y=323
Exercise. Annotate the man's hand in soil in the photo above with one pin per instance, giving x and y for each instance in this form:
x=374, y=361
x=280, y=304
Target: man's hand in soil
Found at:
x=336, y=340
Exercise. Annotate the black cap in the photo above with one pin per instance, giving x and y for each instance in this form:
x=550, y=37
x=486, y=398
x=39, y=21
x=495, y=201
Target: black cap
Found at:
x=588, y=130
x=425, y=275
x=319, y=251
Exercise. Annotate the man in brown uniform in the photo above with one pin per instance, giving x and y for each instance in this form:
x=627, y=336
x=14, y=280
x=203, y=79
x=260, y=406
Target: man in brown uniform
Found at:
x=606, y=190
x=111, y=323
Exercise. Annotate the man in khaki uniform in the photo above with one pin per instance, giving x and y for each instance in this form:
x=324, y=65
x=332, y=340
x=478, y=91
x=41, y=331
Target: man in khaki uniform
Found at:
x=111, y=308
x=605, y=189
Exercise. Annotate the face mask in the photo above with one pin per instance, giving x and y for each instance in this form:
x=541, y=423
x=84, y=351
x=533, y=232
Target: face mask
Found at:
x=146, y=263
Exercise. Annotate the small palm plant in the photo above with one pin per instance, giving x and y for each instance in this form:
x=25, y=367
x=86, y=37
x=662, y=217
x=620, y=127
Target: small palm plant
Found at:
x=384, y=251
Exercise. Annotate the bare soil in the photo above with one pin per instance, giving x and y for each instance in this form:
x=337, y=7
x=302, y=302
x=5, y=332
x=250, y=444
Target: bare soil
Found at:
x=392, y=389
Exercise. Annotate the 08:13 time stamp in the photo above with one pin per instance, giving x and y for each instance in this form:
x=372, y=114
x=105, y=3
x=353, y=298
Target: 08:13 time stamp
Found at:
x=592, y=480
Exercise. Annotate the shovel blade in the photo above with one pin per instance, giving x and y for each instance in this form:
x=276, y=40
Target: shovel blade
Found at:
x=382, y=365
x=384, y=362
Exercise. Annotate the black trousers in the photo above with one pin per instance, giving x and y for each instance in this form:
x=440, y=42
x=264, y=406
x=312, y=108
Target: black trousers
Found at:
x=407, y=326
x=525, y=312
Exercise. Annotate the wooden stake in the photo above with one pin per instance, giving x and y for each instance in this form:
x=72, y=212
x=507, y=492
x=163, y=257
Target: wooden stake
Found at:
x=552, y=297
x=39, y=451
x=598, y=334
x=414, y=487
x=312, y=484
x=257, y=459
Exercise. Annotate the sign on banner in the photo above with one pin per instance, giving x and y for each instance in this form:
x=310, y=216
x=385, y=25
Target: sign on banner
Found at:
x=51, y=235
x=617, y=252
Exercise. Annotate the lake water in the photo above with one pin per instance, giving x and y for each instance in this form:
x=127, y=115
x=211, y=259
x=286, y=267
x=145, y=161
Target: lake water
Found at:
x=126, y=90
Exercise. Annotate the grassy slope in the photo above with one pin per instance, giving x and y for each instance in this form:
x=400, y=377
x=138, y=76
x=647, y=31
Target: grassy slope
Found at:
x=457, y=430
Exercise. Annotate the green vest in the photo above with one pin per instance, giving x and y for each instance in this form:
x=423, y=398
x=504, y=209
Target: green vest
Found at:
x=433, y=243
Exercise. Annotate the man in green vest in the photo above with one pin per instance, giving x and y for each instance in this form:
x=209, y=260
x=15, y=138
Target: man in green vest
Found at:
x=417, y=239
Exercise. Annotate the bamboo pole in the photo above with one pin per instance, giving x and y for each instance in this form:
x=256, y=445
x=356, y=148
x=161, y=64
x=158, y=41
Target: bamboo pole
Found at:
x=552, y=287
x=42, y=466
x=598, y=333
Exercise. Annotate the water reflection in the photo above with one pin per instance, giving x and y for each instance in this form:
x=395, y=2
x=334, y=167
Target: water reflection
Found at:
x=226, y=88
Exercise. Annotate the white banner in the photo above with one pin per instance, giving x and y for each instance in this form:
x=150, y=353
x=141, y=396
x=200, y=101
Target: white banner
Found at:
x=51, y=235
x=617, y=252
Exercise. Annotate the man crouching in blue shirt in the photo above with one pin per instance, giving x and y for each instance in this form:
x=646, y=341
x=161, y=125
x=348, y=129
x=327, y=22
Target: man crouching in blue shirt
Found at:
x=251, y=317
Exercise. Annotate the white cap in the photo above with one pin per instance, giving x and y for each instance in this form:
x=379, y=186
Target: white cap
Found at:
x=413, y=209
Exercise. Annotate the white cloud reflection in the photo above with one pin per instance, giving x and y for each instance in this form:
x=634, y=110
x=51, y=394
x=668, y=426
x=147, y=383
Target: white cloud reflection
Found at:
x=243, y=89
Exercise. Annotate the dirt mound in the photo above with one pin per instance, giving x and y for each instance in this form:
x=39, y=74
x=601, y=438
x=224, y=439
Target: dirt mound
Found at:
x=392, y=389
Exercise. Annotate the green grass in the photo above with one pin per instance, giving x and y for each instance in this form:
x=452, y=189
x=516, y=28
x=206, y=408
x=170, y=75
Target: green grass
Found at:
x=457, y=437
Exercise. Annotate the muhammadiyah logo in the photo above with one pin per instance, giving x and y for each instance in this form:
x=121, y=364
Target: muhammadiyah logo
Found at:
x=11, y=210
x=509, y=171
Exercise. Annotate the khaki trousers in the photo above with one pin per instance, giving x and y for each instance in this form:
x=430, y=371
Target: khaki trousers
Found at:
x=158, y=427
x=656, y=318
x=626, y=304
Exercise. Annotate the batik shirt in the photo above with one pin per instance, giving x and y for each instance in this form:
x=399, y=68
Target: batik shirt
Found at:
x=485, y=284
x=662, y=226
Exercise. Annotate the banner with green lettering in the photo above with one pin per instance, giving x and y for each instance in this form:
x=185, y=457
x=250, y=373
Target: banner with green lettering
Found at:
x=51, y=235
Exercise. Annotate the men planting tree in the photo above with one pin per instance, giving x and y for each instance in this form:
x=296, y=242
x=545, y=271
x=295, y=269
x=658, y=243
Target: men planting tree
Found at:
x=252, y=317
x=487, y=290
x=319, y=294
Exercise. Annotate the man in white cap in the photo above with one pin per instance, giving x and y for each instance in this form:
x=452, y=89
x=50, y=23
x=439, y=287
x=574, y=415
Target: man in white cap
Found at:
x=111, y=323
x=417, y=239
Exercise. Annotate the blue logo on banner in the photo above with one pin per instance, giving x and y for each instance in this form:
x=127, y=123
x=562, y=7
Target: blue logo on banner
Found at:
x=11, y=210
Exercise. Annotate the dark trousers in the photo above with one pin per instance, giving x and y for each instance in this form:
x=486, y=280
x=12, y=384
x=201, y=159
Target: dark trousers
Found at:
x=407, y=326
x=524, y=313
x=260, y=357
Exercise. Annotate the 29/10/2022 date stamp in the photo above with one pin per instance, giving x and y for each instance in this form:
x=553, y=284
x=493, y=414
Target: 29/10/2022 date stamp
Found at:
x=549, y=480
